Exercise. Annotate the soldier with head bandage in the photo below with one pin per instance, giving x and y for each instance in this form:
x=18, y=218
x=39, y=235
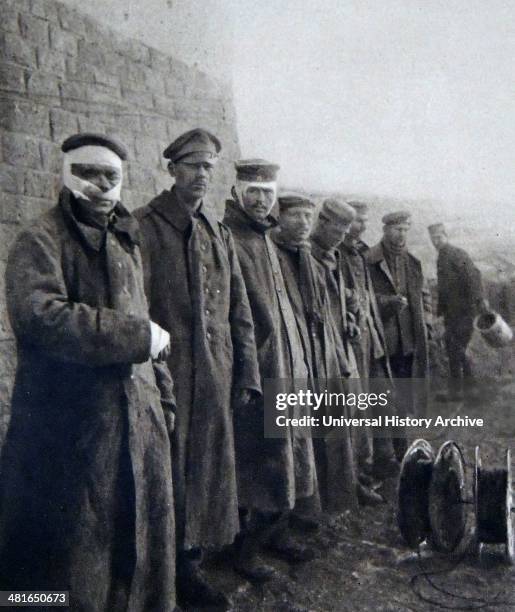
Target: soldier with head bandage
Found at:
x=255, y=188
x=93, y=406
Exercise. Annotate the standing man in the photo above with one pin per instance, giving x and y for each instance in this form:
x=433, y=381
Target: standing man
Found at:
x=460, y=299
x=331, y=228
x=88, y=444
x=196, y=292
x=324, y=346
x=399, y=287
x=273, y=474
x=369, y=345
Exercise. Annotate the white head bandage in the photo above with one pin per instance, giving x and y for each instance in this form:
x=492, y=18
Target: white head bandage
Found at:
x=241, y=187
x=91, y=154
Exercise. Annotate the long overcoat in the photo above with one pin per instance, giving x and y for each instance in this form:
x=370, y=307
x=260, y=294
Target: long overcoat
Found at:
x=86, y=487
x=459, y=289
x=384, y=286
x=197, y=293
x=356, y=276
x=333, y=451
x=272, y=472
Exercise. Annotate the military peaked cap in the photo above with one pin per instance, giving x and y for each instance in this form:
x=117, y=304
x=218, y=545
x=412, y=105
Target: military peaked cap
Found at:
x=194, y=141
x=256, y=170
x=293, y=200
x=336, y=210
x=359, y=207
x=400, y=216
x=436, y=228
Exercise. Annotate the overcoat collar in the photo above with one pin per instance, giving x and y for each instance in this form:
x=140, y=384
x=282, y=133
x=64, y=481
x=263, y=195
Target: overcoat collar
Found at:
x=376, y=256
x=94, y=235
x=235, y=214
x=278, y=237
x=328, y=257
x=168, y=206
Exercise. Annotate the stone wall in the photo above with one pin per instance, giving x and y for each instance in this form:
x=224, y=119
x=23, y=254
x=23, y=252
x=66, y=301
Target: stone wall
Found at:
x=60, y=73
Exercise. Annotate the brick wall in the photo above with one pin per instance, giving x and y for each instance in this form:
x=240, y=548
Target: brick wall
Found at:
x=61, y=72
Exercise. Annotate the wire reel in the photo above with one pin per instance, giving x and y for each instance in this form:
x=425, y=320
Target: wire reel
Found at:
x=446, y=493
x=493, y=506
x=431, y=504
x=413, y=493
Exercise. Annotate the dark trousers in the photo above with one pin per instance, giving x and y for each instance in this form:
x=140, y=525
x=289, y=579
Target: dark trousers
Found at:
x=402, y=372
x=383, y=443
x=457, y=336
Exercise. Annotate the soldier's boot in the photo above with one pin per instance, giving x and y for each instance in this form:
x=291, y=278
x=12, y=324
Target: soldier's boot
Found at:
x=193, y=587
x=304, y=516
x=246, y=561
x=281, y=543
x=368, y=497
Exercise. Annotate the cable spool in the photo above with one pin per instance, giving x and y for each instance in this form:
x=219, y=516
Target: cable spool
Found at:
x=493, y=498
x=447, y=513
x=413, y=493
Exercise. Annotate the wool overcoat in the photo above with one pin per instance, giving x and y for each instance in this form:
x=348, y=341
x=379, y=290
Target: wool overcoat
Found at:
x=86, y=487
x=459, y=285
x=384, y=287
x=329, y=365
x=357, y=278
x=197, y=293
x=272, y=472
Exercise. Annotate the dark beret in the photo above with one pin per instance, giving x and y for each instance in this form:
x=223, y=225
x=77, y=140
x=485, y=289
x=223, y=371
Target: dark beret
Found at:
x=400, y=216
x=194, y=141
x=436, y=228
x=97, y=140
x=256, y=170
x=293, y=200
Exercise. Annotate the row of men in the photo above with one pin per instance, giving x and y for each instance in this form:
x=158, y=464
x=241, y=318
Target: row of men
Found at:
x=136, y=435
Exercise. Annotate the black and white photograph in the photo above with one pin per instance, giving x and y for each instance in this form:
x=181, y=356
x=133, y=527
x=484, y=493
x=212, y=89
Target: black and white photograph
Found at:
x=257, y=305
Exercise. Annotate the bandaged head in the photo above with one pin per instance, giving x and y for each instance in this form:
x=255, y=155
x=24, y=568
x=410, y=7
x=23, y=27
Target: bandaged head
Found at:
x=94, y=150
x=255, y=173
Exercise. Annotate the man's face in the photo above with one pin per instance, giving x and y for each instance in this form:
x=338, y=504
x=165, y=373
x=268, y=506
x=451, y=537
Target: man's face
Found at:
x=397, y=234
x=359, y=225
x=438, y=239
x=103, y=178
x=258, y=202
x=192, y=176
x=296, y=224
x=330, y=233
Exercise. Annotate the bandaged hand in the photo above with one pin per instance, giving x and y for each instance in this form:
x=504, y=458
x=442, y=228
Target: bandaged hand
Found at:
x=159, y=341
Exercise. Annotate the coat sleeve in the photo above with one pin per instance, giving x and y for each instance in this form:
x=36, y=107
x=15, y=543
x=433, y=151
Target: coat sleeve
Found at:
x=43, y=316
x=386, y=304
x=442, y=301
x=470, y=277
x=165, y=385
x=427, y=301
x=246, y=367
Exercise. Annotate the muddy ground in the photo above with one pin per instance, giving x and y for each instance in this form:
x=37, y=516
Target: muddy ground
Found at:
x=362, y=562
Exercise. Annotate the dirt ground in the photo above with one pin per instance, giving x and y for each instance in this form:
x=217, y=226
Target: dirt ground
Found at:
x=362, y=562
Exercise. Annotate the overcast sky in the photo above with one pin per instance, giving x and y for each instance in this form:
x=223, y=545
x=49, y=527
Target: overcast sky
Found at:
x=394, y=97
